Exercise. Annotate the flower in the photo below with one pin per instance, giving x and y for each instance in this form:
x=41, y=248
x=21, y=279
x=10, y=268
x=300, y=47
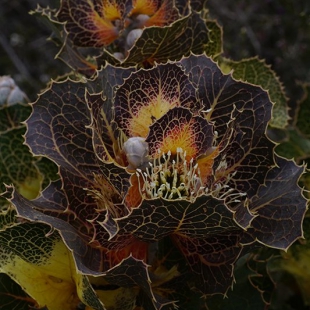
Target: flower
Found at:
x=129, y=33
x=177, y=151
x=100, y=23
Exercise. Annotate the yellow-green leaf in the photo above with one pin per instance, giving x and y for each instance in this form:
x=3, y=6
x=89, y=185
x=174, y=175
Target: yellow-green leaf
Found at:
x=43, y=266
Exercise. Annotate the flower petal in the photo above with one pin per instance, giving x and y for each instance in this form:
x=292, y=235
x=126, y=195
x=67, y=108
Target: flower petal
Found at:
x=148, y=94
x=89, y=24
x=166, y=14
x=178, y=128
x=146, y=7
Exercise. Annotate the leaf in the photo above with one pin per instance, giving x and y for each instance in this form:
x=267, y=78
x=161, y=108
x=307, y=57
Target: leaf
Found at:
x=12, y=116
x=259, y=263
x=296, y=263
x=48, y=170
x=43, y=266
x=53, y=202
x=64, y=136
x=279, y=206
x=54, y=111
x=211, y=260
x=205, y=232
x=294, y=145
x=256, y=71
x=214, y=48
x=178, y=128
x=12, y=296
x=132, y=272
x=16, y=164
x=7, y=218
x=74, y=58
x=242, y=295
x=119, y=298
x=67, y=139
x=69, y=54
x=303, y=113
x=295, y=141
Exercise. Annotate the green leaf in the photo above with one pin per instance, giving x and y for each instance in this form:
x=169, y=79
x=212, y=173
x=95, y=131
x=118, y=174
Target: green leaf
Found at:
x=256, y=71
x=7, y=218
x=12, y=116
x=214, y=47
x=303, y=113
x=294, y=145
x=16, y=164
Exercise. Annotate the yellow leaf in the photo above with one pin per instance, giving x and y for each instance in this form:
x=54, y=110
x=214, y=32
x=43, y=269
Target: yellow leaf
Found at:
x=52, y=283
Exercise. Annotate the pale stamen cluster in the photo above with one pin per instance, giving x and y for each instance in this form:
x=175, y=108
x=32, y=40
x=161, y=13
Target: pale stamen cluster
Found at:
x=171, y=177
x=174, y=177
x=222, y=190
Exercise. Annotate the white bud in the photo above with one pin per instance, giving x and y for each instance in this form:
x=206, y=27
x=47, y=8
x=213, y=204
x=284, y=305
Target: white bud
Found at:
x=10, y=93
x=132, y=36
x=137, y=151
x=119, y=56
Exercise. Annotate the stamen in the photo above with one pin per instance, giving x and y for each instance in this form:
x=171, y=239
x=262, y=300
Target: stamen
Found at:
x=172, y=178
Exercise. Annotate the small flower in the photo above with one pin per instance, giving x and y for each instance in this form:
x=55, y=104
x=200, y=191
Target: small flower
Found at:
x=100, y=23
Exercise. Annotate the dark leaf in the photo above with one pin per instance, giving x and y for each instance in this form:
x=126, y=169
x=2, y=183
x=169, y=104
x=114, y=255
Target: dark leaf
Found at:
x=155, y=219
x=279, y=206
x=12, y=296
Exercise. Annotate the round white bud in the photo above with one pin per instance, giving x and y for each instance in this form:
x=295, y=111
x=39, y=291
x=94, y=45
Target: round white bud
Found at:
x=132, y=36
x=137, y=151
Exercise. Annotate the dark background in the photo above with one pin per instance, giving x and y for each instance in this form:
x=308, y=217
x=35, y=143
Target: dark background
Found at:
x=276, y=30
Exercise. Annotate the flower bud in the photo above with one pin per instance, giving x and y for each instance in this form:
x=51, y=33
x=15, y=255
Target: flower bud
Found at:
x=132, y=36
x=136, y=150
x=10, y=93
